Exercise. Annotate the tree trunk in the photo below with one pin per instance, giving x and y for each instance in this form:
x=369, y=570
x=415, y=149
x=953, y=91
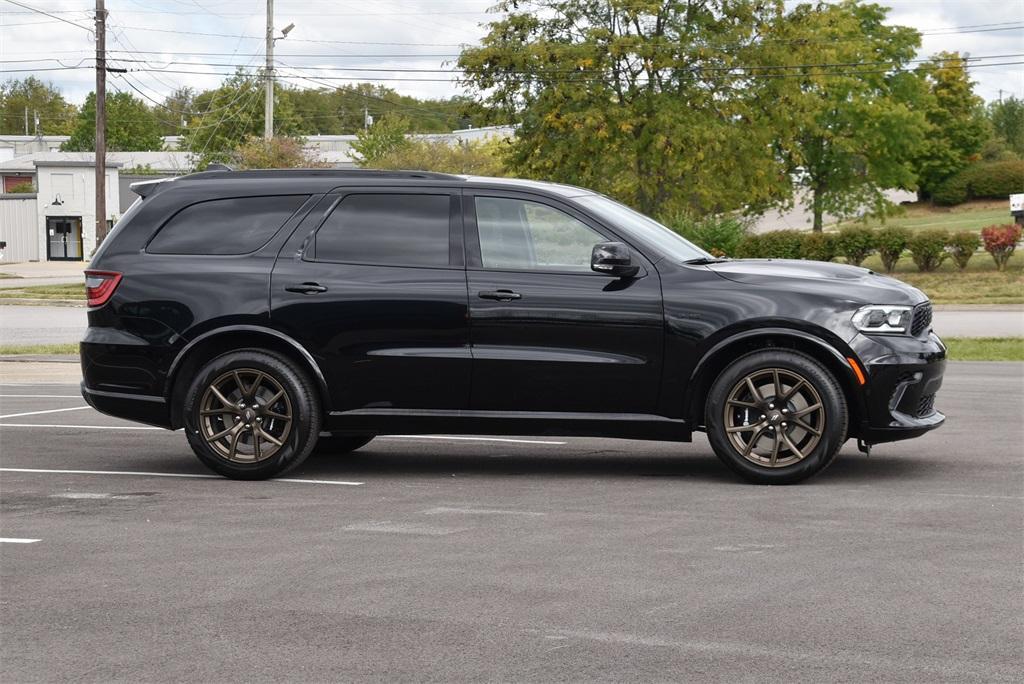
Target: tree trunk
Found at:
x=816, y=206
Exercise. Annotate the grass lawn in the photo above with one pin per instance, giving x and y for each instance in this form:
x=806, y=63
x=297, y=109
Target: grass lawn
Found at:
x=985, y=348
x=68, y=291
x=25, y=349
x=968, y=216
x=979, y=283
x=5, y=276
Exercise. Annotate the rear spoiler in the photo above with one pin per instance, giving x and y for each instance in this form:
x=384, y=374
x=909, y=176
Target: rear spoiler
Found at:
x=146, y=188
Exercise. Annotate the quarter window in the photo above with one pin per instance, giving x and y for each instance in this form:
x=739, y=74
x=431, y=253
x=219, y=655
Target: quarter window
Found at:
x=396, y=229
x=236, y=225
x=520, y=234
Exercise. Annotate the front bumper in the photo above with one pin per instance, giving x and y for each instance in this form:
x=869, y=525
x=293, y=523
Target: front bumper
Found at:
x=903, y=376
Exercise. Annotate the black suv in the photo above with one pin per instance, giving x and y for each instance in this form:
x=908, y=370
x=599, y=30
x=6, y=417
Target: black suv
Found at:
x=263, y=311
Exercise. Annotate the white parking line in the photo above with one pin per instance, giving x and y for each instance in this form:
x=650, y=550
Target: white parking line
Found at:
x=38, y=413
x=82, y=427
x=202, y=476
x=13, y=540
x=446, y=438
x=40, y=396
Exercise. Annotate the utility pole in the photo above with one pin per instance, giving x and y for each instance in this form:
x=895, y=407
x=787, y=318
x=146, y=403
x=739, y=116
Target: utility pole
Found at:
x=26, y=120
x=268, y=106
x=101, y=122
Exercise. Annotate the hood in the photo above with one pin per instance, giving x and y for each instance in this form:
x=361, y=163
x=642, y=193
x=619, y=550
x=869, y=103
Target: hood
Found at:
x=852, y=282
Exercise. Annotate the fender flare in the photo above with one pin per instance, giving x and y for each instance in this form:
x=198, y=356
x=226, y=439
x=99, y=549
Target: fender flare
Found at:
x=774, y=331
x=311, y=363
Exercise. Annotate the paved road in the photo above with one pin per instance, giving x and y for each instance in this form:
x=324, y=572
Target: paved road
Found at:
x=461, y=560
x=965, y=321
x=54, y=324
x=41, y=324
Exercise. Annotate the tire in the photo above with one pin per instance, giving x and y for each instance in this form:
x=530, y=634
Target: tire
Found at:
x=338, y=445
x=233, y=429
x=770, y=442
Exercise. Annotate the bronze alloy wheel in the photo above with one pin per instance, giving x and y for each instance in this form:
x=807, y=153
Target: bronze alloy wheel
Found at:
x=245, y=415
x=774, y=417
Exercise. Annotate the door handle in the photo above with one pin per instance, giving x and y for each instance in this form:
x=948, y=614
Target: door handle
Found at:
x=499, y=295
x=306, y=288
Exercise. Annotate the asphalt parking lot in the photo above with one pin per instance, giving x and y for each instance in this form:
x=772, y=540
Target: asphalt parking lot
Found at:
x=537, y=559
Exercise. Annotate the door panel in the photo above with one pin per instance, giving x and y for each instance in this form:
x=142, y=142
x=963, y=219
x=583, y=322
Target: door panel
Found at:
x=386, y=335
x=550, y=335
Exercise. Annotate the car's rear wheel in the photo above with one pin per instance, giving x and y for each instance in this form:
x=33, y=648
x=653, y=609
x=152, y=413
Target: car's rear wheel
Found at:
x=251, y=414
x=338, y=445
x=776, y=417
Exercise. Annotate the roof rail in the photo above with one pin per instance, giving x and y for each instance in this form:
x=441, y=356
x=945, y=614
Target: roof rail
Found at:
x=215, y=171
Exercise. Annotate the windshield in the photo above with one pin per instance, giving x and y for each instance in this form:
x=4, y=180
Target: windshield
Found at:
x=669, y=243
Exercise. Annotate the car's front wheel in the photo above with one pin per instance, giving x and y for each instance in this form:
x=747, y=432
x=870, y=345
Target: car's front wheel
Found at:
x=776, y=417
x=251, y=414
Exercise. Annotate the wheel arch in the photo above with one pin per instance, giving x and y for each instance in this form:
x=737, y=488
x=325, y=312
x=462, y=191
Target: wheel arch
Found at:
x=211, y=344
x=726, y=351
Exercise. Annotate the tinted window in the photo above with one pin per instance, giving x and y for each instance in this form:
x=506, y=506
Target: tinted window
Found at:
x=520, y=234
x=406, y=230
x=238, y=225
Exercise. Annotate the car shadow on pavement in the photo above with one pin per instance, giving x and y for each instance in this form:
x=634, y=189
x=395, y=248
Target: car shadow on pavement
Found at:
x=366, y=463
x=606, y=464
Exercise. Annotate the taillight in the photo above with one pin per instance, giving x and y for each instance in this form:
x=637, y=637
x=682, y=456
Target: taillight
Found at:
x=99, y=285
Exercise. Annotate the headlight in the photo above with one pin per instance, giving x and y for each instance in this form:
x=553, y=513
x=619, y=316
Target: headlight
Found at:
x=879, y=318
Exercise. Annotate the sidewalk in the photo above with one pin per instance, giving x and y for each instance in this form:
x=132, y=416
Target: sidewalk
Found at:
x=42, y=273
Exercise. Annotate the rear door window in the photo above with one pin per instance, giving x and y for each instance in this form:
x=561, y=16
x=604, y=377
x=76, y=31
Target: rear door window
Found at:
x=236, y=225
x=387, y=229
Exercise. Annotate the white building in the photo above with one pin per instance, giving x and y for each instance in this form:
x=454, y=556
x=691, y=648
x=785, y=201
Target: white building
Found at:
x=58, y=221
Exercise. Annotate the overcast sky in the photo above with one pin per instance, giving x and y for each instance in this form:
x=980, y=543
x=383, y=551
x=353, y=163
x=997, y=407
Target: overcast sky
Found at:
x=375, y=34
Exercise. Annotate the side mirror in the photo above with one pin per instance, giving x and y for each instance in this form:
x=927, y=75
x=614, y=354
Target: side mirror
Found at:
x=614, y=259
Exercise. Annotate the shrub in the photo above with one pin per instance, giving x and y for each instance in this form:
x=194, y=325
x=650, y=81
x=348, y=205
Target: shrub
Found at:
x=891, y=242
x=782, y=244
x=856, y=243
x=928, y=248
x=996, y=180
x=962, y=246
x=751, y=247
x=22, y=187
x=720, y=235
x=819, y=246
x=1000, y=241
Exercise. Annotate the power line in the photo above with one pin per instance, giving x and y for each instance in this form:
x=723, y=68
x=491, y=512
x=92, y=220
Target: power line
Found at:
x=52, y=16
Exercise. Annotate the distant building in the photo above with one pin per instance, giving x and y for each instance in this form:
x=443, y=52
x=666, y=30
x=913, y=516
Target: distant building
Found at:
x=57, y=221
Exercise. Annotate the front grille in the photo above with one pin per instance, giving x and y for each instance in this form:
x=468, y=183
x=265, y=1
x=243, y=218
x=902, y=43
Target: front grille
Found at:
x=926, y=405
x=922, y=320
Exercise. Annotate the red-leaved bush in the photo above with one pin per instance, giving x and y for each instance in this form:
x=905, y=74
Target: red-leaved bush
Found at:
x=1000, y=241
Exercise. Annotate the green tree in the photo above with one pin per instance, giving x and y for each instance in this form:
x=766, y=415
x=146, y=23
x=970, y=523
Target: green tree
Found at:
x=957, y=126
x=176, y=111
x=130, y=126
x=1008, y=121
x=385, y=137
x=477, y=158
x=638, y=99
x=859, y=128
x=225, y=117
x=56, y=116
x=280, y=152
